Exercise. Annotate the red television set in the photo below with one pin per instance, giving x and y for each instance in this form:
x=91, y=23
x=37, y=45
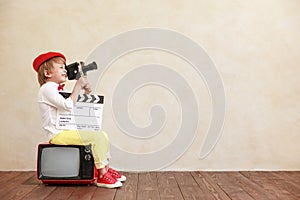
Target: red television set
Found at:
x=65, y=164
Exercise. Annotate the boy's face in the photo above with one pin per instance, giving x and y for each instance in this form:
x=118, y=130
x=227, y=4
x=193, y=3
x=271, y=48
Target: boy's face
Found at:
x=58, y=74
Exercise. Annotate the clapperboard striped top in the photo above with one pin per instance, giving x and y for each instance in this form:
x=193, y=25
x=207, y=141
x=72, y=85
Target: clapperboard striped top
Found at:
x=90, y=98
x=86, y=98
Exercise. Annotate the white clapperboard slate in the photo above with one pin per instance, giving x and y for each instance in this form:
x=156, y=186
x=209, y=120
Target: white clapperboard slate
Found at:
x=86, y=115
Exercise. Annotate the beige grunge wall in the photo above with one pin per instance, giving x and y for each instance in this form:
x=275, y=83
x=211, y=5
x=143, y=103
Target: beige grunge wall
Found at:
x=255, y=46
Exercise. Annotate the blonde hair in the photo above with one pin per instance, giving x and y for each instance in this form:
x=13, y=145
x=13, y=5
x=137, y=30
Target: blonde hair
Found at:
x=47, y=66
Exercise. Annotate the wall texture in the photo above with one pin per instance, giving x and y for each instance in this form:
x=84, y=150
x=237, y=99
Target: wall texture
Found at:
x=255, y=46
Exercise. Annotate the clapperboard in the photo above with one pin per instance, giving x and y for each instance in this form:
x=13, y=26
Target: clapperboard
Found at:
x=86, y=115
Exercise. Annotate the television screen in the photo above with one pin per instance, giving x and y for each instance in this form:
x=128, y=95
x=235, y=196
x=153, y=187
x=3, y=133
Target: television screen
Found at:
x=65, y=164
x=60, y=162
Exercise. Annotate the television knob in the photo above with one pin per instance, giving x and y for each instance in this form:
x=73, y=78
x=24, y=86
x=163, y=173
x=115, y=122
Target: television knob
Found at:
x=87, y=157
x=87, y=150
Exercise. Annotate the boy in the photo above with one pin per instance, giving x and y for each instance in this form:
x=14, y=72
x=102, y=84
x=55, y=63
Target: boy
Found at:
x=50, y=68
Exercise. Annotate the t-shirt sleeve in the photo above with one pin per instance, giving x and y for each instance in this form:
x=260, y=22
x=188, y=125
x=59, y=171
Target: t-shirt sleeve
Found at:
x=52, y=97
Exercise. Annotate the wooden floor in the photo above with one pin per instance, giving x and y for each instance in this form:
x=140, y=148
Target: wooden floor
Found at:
x=163, y=185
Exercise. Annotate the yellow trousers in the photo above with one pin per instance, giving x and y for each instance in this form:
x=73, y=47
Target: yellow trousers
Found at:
x=98, y=140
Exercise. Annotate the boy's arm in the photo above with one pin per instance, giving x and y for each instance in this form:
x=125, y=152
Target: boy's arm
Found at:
x=50, y=95
x=81, y=83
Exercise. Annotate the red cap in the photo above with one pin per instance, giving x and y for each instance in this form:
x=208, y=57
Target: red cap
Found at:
x=44, y=57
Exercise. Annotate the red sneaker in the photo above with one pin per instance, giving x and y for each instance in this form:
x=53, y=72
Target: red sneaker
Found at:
x=116, y=175
x=108, y=181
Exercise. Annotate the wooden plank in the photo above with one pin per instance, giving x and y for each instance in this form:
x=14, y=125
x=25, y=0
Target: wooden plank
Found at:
x=253, y=189
x=168, y=186
x=11, y=186
x=60, y=193
x=147, y=186
x=39, y=192
x=209, y=188
x=235, y=192
x=185, y=179
x=291, y=176
x=230, y=187
x=162, y=185
x=147, y=180
x=192, y=192
x=169, y=193
x=269, y=185
x=149, y=194
x=288, y=181
x=104, y=193
x=20, y=190
x=32, y=180
x=82, y=193
x=7, y=176
x=166, y=179
x=129, y=189
x=188, y=186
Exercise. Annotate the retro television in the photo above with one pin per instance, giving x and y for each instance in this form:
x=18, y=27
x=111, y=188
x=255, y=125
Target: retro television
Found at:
x=65, y=164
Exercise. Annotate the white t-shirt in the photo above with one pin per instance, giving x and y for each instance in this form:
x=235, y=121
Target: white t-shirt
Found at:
x=50, y=101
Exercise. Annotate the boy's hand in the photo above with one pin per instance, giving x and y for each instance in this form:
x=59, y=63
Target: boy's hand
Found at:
x=87, y=88
x=81, y=83
x=84, y=84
